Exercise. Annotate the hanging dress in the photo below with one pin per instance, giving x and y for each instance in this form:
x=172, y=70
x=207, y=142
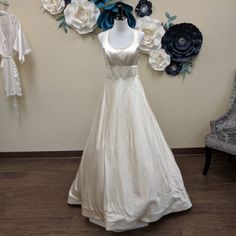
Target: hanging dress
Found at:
x=12, y=41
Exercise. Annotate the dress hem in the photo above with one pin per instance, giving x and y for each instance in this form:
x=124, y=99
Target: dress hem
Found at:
x=132, y=223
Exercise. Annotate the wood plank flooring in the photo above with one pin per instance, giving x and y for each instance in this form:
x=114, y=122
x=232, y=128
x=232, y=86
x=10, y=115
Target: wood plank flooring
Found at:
x=33, y=200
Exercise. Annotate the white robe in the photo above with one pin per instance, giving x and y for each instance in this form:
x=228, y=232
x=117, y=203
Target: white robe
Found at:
x=12, y=41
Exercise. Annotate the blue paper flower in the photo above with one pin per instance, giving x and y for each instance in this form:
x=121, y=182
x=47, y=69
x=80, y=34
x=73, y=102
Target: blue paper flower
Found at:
x=174, y=68
x=144, y=8
x=106, y=18
x=100, y=3
x=67, y=2
x=182, y=42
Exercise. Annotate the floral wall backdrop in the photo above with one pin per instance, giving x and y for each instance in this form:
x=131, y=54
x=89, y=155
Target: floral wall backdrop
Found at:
x=63, y=78
x=171, y=47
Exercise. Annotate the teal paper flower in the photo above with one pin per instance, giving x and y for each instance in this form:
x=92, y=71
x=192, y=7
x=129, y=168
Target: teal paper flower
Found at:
x=108, y=13
x=100, y=3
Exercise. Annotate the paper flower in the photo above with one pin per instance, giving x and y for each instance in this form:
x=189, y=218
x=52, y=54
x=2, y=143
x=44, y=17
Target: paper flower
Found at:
x=81, y=15
x=153, y=33
x=159, y=59
x=53, y=6
x=182, y=42
x=174, y=68
x=106, y=19
x=67, y=2
x=144, y=8
x=100, y=3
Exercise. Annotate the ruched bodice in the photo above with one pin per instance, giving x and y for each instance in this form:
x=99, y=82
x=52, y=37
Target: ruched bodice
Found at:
x=121, y=57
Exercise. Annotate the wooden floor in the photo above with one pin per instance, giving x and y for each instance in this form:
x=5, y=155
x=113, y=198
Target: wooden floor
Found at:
x=33, y=195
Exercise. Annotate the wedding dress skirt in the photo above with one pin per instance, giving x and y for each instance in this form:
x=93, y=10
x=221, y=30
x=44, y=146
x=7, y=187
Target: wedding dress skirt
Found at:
x=128, y=175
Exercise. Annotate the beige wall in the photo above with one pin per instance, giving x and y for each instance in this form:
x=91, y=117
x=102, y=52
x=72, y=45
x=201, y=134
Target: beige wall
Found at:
x=63, y=77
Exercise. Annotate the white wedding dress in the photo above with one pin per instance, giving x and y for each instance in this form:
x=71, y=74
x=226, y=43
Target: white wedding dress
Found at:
x=127, y=176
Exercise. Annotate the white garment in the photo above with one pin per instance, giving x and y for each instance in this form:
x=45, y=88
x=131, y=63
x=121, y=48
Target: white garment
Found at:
x=12, y=40
x=128, y=175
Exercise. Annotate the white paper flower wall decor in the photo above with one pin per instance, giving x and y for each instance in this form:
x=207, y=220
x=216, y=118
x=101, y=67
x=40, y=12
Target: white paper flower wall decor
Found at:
x=153, y=33
x=53, y=6
x=82, y=16
x=159, y=59
x=170, y=47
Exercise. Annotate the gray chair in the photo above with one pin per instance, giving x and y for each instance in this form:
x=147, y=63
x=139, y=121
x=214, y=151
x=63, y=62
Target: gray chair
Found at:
x=223, y=133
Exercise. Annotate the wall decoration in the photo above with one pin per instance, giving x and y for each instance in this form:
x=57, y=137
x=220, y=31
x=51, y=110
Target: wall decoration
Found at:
x=144, y=8
x=53, y=7
x=159, y=60
x=100, y=3
x=106, y=19
x=153, y=33
x=174, y=68
x=182, y=42
x=169, y=22
x=170, y=47
x=82, y=16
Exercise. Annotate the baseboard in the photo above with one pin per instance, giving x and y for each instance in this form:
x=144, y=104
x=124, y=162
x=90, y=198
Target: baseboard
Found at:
x=46, y=154
x=41, y=154
x=194, y=150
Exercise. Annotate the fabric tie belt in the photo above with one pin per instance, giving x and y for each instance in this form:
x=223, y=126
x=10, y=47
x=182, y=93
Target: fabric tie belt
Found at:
x=5, y=58
x=122, y=72
x=10, y=76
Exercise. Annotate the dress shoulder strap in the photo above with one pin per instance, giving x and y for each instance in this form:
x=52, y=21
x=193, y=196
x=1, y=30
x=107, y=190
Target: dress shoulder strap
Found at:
x=103, y=38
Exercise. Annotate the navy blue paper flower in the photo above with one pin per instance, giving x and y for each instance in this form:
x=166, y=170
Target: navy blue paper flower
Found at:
x=174, y=68
x=67, y=2
x=144, y=8
x=108, y=13
x=100, y=3
x=182, y=42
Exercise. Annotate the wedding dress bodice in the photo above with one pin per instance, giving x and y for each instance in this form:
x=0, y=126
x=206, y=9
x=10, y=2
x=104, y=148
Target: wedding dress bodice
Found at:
x=121, y=57
x=121, y=63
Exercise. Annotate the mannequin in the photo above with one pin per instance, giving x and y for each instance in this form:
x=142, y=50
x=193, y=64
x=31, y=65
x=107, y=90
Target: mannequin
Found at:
x=121, y=34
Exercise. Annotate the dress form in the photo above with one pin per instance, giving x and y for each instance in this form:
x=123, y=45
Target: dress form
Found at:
x=120, y=35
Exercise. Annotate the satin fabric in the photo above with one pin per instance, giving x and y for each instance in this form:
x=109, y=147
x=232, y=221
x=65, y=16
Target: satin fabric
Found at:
x=128, y=175
x=12, y=41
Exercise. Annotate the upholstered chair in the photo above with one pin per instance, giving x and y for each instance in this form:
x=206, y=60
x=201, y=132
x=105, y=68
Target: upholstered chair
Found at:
x=223, y=133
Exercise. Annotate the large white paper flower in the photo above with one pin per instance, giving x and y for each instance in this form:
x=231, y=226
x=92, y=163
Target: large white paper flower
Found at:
x=159, y=59
x=153, y=33
x=53, y=6
x=82, y=15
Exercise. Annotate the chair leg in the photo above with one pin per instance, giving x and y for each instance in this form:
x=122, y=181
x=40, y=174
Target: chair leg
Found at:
x=230, y=156
x=208, y=152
